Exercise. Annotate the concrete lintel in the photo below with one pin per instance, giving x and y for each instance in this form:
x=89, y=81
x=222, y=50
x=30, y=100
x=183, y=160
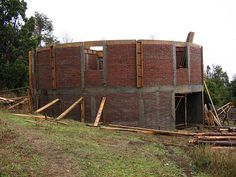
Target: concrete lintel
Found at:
x=109, y=90
x=188, y=88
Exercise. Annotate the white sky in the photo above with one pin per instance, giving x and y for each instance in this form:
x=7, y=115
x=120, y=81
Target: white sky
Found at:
x=213, y=21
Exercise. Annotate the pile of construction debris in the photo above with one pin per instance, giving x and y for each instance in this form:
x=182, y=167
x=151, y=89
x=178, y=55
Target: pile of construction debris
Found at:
x=225, y=137
x=10, y=101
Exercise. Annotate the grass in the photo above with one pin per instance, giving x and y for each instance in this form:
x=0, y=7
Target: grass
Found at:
x=42, y=148
x=214, y=161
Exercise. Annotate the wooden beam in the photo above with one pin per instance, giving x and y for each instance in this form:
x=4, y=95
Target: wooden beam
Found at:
x=17, y=104
x=69, y=109
x=139, y=64
x=99, y=113
x=146, y=130
x=214, y=109
x=47, y=105
x=53, y=66
x=190, y=37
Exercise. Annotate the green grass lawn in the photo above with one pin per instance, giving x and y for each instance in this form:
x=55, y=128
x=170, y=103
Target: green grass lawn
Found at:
x=43, y=148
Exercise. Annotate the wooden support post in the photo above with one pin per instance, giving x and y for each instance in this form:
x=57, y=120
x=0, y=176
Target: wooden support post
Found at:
x=82, y=111
x=69, y=109
x=214, y=109
x=53, y=66
x=139, y=64
x=47, y=105
x=99, y=113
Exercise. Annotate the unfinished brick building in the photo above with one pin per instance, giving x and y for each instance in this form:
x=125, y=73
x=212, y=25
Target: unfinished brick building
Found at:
x=147, y=83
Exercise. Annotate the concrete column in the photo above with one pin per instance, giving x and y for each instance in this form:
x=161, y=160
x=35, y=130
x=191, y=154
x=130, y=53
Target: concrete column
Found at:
x=157, y=110
x=141, y=110
x=173, y=106
x=93, y=107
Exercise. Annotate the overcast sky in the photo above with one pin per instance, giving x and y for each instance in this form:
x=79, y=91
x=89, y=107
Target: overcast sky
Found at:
x=213, y=21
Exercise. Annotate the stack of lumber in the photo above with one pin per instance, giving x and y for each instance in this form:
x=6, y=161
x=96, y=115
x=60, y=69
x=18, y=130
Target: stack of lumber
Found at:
x=223, y=138
x=13, y=102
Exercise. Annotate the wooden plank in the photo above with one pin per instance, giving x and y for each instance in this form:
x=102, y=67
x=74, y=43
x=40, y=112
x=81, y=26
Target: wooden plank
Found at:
x=53, y=66
x=146, y=131
x=6, y=99
x=99, y=113
x=139, y=64
x=214, y=109
x=17, y=104
x=82, y=111
x=190, y=37
x=69, y=109
x=47, y=105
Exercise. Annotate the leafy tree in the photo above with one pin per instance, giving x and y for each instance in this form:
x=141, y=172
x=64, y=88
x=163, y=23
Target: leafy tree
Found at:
x=233, y=90
x=16, y=34
x=218, y=84
x=44, y=30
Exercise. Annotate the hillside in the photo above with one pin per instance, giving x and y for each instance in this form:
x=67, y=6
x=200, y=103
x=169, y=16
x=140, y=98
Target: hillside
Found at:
x=43, y=148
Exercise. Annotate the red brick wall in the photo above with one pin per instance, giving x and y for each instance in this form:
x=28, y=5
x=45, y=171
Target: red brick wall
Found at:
x=157, y=110
x=196, y=66
x=122, y=108
x=158, y=65
x=121, y=67
x=44, y=70
x=93, y=78
x=68, y=67
x=181, y=76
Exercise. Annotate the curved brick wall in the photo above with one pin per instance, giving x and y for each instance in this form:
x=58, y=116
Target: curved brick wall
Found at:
x=77, y=74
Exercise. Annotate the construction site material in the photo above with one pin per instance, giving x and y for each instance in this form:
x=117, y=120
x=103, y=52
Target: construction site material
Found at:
x=69, y=109
x=145, y=130
x=34, y=116
x=19, y=103
x=190, y=37
x=139, y=64
x=41, y=117
x=224, y=111
x=216, y=118
x=47, y=105
x=214, y=143
x=215, y=138
x=99, y=113
x=6, y=100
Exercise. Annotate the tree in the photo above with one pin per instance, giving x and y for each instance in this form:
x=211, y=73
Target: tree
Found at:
x=16, y=34
x=218, y=84
x=44, y=30
x=66, y=38
x=233, y=90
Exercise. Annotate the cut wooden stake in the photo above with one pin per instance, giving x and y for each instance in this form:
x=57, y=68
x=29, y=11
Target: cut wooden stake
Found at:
x=69, y=109
x=99, y=113
x=17, y=104
x=216, y=115
x=47, y=105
